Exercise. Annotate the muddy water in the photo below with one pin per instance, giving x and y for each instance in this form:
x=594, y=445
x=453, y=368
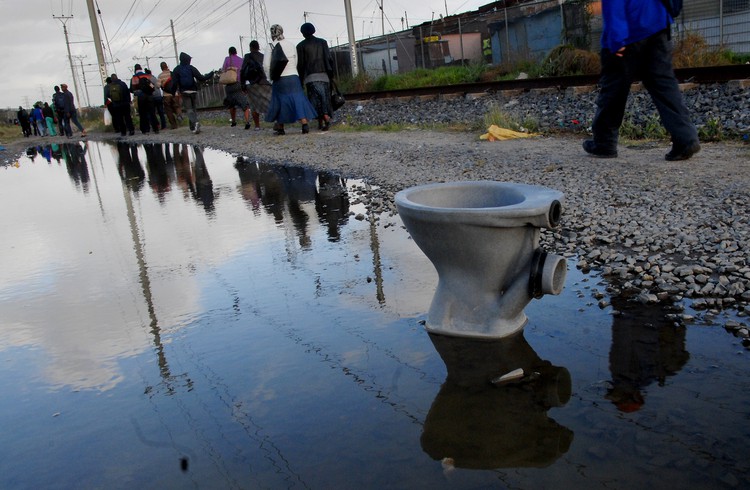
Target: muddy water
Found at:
x=170, y=318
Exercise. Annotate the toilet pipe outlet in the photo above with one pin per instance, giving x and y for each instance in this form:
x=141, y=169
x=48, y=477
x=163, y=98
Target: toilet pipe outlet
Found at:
x=548, y=273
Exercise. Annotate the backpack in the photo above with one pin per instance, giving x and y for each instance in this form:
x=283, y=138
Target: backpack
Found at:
x=674, y=7
x=184, y=77
x=145, y=85
x=252, y=71
x=169, y=86
x=115, y=92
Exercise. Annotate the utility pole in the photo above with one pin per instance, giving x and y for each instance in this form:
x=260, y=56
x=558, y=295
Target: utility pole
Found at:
x=387, y=42
x=64, y=19
x=85, y=86
x=97, y=41
x=352, y=40
x=174, y=42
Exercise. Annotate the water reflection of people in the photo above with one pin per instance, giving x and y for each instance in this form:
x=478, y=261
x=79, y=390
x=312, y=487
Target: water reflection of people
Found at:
x=157, y=170
x=332, y=203
x=644, y=350
x=300, y=187
x=204, y=187
x=249, y=183
x=78, y=169
x=57, y=152
x=129, y=166
x=475, y=423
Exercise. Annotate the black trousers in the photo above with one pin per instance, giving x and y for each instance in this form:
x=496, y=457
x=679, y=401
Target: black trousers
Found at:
x=121, y=118
x=650, y=61
x=147, y=114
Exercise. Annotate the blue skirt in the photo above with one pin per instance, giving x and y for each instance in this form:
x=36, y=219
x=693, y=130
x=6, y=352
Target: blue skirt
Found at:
x=288, y=102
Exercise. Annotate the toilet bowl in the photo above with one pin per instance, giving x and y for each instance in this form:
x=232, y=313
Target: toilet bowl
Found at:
x=483, y=239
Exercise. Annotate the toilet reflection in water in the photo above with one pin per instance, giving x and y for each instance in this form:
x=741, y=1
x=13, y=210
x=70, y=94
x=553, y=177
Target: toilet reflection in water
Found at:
x=482, y=419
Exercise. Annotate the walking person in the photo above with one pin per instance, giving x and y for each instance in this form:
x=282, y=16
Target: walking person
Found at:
x=288, y=101
x=58, y=103
x=70, y=112
x=158, y=98
x=636, y=44
x=118, y=93
x=49, y=119
x=171, y=101
x=256, y=84
x=235, y=97
x=316, y=71
x=143, y=85
x=39, y=120
x=186, y=75
x=23, y=120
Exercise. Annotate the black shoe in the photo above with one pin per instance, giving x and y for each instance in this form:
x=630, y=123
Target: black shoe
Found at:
x=131, y=133
x=247, y=126
x=326, y=125
x=682, y=153
x=305, y=128
x=122, y=133
x=590, y=147
x=234, y=123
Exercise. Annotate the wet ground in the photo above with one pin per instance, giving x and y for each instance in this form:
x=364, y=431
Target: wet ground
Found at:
x=172, y=318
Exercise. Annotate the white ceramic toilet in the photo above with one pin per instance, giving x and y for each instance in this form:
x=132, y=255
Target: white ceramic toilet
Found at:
x=483, y=239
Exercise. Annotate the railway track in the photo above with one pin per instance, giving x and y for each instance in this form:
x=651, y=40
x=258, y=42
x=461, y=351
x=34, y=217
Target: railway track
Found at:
x=702, y=75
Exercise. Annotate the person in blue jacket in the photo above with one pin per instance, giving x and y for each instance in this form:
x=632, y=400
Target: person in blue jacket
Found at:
x=636, y=44
x=185, y=75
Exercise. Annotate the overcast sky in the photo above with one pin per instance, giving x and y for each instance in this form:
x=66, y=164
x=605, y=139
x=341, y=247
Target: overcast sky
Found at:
x=35, y=55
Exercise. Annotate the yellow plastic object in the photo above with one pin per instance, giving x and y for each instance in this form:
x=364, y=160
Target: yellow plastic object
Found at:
x=495, y=133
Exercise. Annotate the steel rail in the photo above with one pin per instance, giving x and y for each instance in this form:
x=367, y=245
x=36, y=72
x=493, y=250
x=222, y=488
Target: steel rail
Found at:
x=702, y=75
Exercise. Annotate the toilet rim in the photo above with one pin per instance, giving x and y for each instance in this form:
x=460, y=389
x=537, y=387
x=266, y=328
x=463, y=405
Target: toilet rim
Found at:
x=531, y=205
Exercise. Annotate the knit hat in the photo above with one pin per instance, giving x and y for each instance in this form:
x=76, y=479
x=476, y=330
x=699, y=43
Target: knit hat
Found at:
x=307, y=29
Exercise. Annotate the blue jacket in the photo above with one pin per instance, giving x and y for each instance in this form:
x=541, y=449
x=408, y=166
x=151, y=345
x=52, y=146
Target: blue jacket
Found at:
x=630, y=21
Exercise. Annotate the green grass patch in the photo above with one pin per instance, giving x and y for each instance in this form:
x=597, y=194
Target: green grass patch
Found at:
x=504, y=120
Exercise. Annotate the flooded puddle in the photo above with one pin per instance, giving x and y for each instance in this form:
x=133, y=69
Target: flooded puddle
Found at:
x=171, y=317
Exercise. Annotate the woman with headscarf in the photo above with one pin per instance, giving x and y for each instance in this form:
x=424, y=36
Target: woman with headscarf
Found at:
x=288, y=101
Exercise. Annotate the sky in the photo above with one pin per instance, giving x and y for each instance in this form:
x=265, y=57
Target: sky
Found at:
x=36, y=59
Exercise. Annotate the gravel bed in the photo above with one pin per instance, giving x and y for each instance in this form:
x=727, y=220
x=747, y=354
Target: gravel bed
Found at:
x=725, y=106
x=669, y=233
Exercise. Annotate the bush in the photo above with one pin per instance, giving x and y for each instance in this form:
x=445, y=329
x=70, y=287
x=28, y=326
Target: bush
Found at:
x=691, y=50
x=567, y=60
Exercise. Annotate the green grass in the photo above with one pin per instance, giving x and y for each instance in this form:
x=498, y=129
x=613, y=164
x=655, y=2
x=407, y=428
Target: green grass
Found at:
x=503, y=120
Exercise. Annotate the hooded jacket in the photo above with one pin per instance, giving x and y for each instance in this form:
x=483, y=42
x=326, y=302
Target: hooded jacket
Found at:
x=185, y=75
x=629, y=21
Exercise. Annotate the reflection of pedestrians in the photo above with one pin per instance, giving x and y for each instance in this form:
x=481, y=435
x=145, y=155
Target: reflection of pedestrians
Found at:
x=78, y=169
x=332, y=203
x=129, y=166
x=642, y=352
x=157, y=170
x=204, y=187
x=249, y=183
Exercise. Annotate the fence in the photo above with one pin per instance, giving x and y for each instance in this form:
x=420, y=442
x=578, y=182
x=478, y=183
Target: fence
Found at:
x=722, y=23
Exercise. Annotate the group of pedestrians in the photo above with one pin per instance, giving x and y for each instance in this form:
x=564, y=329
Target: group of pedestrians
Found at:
x=282, y=99
x=47, y=119
x=291, y=66
x=161, y=100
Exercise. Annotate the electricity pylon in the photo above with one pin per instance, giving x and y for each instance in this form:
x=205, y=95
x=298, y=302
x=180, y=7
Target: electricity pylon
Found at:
x=259, y=25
